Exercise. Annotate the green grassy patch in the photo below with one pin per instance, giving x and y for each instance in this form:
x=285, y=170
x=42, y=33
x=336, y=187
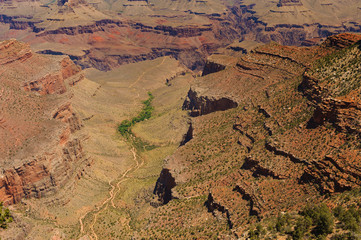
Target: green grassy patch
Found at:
x=126, y=125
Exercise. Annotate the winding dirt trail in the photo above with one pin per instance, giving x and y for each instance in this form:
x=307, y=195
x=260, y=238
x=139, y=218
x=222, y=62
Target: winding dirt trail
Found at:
x=111, y=193
x=143, y=73
x=115, y=189
x=138, y=165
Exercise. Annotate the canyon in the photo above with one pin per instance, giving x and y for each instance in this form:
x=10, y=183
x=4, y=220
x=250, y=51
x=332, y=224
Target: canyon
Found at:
x=255, y=115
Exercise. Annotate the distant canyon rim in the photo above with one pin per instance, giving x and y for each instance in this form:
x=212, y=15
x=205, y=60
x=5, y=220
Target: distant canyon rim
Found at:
x=106, y=34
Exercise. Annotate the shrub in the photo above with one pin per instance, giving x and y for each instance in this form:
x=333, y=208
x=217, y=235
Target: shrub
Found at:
x=349, y=222
x=349, y=219
x=124, y=127
x=256, y=233
x=338, y=211
x=322, y=219
x=302, y=226
x=5, y=216
x=283, y=220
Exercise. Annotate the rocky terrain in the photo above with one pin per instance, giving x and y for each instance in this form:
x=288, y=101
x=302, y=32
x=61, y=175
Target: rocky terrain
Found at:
x=295, y=22
x=39, y=152
x=94, y=36
x=271, y=134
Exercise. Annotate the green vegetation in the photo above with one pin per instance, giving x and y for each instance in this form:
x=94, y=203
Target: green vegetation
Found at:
x=344, y=236
x=5, y=216
x=322, y=219
x=142, y=145
x=257, y=233
x=283, y=221
x=315, y=222
x=126, y=125
x=349, y=219
x=302, y=227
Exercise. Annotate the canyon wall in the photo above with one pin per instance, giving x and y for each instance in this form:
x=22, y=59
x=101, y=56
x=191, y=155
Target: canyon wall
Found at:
x=40, y=153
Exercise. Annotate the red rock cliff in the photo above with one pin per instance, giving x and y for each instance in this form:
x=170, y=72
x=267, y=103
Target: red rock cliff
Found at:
x=40, y=153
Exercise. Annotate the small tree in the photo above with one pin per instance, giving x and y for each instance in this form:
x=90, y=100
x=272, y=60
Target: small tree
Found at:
x=5, y=216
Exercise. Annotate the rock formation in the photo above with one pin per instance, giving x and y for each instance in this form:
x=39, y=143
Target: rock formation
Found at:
x=200, y=105
x=40, y=154
x=163, y=187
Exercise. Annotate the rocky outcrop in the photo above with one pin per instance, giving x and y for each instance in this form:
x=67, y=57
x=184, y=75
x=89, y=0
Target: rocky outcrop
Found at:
x=246, y=139
x=218, y=62
x=272, y=147
x=212, y=67
x=334, y=174
x=256, y=207
x=49, y=84
x=53, y=83
x=341, y=41
x=163, y=187
x=8, y=55
x=68, y=68
x=255, y=166
x=200, y=105
x=41, y=176
x=188, y=136
x=65, y=114
x=341, y=113
x=213, y=206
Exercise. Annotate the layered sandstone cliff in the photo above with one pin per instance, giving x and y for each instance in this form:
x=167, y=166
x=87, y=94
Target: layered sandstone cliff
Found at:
x=39, y=153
